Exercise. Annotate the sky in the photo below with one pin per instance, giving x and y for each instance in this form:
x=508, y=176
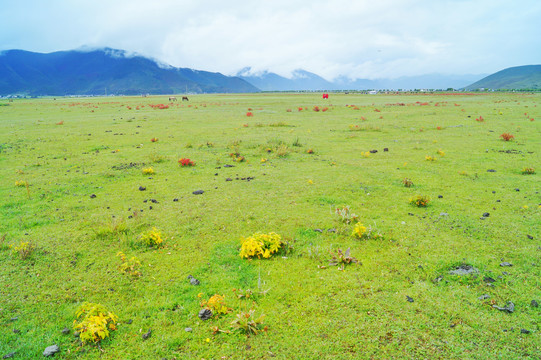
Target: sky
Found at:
x=367, y=39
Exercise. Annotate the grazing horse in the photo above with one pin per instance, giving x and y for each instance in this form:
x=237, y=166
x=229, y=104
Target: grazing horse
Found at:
x=172, y=98
x=185, y=98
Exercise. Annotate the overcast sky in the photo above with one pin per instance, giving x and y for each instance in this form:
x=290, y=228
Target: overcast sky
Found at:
x=356, y=38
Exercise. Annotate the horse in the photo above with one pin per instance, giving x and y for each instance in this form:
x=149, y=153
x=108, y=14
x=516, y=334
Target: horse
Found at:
x=185, y=98
x=172, y=98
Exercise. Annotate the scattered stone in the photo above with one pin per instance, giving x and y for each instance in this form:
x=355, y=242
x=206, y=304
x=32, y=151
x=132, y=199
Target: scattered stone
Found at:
x=142, y=188
x=534, y=303
x=464, y=270
x=524, y=331
x=409, y=299
x=484, y=297
x=198, y=192
x=505, y=263
x=491, y=170
x=93, y=196
x=14, y=318
x=529, y=237
x=8, y=356
x=154, y=201
x=205, y=314
x=188, y=329
x=175, y=199
x=373, y=151
x=517, y=189
x=385, y=149
x=509, y=308
x=229, y=165
x=194, y=281
x=228, y=179
x=438, y=279
x=318, y=230
x=333, y=230
x=129, y=321
x=51, y=350
x=440, y=196
x=486, y=214
x=444, y=214
x=488, y=279
x=16, y=331
x=65, y=331
x=147, y=334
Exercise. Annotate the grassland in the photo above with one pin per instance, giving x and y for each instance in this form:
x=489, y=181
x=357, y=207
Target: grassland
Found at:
x=78, y=164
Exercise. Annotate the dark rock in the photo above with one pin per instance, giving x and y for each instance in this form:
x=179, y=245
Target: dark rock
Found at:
x=154, y=201
x=491, y=170
x=175, y=200
x=129, y=321
x=198, y=192
x=534, y=303
x=333, y=230
x=205, y=314
x=93, y=196
x=228, y=179
x=147, y=334
x=409, y=299
x=509, y=308
x=517, y=189
x=440, y=196
x=464, y=269
x=529, y=237
x=524, y=331
x=488, y=279
x=16, y=331
x=8, y=356
x=385, y=149
x=142, y=188
x=194, y=281
x=51, y=350
x=229, y=165
x=65, y=331
x=373, y=151
x=318, y=230
x=505, y=263
x=486, y=214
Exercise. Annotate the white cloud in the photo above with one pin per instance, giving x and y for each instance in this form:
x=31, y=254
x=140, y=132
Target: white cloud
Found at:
x=366, y=39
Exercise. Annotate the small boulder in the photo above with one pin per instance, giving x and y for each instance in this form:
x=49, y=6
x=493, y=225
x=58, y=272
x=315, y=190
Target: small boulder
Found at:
x=205, y=314
x=198, y=192
x=51, y=350
x=147, y=334
x=464, y=269
x=505, y=263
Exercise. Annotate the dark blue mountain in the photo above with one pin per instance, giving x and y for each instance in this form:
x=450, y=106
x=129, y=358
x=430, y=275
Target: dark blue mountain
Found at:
x=103, y=71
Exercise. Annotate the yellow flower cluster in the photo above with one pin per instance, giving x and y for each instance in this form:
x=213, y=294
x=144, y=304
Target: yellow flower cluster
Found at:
x=148, y=171
x=95, y=323
x=216, y=303
x=359, y=231
x=260, y=245
x=153, y=238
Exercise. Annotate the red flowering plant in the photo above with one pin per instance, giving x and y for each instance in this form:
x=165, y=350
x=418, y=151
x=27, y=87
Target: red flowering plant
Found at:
x=186, y=162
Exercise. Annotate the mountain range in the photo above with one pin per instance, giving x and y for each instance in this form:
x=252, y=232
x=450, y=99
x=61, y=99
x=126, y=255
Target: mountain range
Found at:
x=304, y=80
x=109, y=71
x=105, y=71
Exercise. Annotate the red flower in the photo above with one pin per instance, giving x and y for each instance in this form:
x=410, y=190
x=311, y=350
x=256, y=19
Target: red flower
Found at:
x=186, y=162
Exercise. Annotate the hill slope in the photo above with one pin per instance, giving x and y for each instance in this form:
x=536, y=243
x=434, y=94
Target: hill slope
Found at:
x=104, y=71
x=519, y=77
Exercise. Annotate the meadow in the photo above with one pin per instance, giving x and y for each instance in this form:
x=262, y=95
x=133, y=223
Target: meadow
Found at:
x=408, y=226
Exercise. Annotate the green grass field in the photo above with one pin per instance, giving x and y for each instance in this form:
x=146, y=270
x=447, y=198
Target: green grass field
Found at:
x=72, y=170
